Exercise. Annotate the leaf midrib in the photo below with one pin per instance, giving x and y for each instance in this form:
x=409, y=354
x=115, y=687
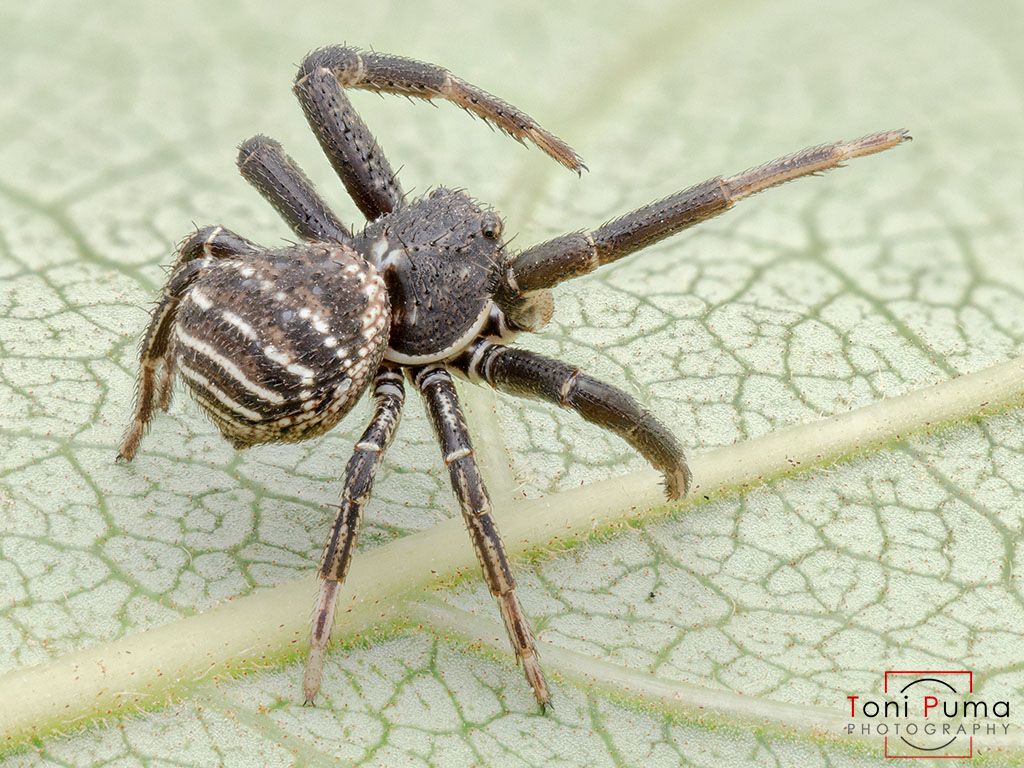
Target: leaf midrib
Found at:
x=269, y=626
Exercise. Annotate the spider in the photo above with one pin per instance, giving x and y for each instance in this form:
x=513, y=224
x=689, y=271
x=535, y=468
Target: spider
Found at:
x=278, y=344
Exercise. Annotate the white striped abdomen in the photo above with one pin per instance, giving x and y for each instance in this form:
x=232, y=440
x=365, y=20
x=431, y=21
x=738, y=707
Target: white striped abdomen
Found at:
x=280, y=346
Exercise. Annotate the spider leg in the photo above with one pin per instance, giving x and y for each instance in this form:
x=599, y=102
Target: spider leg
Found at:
x=438, y=389
x=578, y=253
x=165, y=386
x=265, y=165
x=347, y=142
x=350, y=146
x=389, y=394
x=523, y=373
x=195, y=254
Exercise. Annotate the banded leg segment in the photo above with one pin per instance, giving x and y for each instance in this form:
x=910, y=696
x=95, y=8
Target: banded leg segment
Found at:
x=389, y=394
x=578, y=253
x=438, y=389
x=523, y=373
x=264, y=164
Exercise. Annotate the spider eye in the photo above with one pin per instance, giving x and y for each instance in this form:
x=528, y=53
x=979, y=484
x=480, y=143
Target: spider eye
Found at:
x=491, y=227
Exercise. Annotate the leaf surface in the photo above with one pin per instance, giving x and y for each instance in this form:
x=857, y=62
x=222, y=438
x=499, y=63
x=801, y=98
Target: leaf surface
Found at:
x=117, y=132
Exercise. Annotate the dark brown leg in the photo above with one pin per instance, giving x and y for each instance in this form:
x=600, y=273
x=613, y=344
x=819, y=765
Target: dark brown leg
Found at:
x=390, y=395
x=523, y=373
x=265, y=165
x=578, y=253
x=450, y=425
x=195, y=254
x=350, y=146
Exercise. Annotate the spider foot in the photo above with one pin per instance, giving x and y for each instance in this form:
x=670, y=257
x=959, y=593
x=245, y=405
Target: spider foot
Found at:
x=130, y=442
x=312, y=676
x=524, y=646
x=535, y=676
x=320, y=635
x=677, y=481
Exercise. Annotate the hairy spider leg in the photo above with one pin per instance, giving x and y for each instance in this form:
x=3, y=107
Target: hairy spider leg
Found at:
x=348, y=143
x=350, y=147
x=389, y=394
x=264, y=164
x=438, y=390
x=578, y=253
x=526, y=374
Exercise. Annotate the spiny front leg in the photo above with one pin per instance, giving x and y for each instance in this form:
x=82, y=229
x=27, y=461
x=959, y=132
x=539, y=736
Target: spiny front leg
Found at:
x=578, y=253
x=435, y=383
x=386, y=73
x=350, y=147
x=524, y=373
x=389, y=393
x=348, y=143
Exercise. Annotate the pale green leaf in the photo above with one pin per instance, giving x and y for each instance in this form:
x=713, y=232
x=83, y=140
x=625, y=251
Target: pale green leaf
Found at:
x=727, y=632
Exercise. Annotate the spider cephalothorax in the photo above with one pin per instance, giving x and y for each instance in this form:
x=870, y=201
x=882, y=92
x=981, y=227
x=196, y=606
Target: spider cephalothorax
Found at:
x=441, y=258
x=277, y=345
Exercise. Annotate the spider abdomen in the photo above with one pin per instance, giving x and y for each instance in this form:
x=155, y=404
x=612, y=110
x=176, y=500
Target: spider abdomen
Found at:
x=279, y=347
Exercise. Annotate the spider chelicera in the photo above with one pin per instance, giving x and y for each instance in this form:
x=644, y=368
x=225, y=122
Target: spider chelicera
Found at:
x=278, y=344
